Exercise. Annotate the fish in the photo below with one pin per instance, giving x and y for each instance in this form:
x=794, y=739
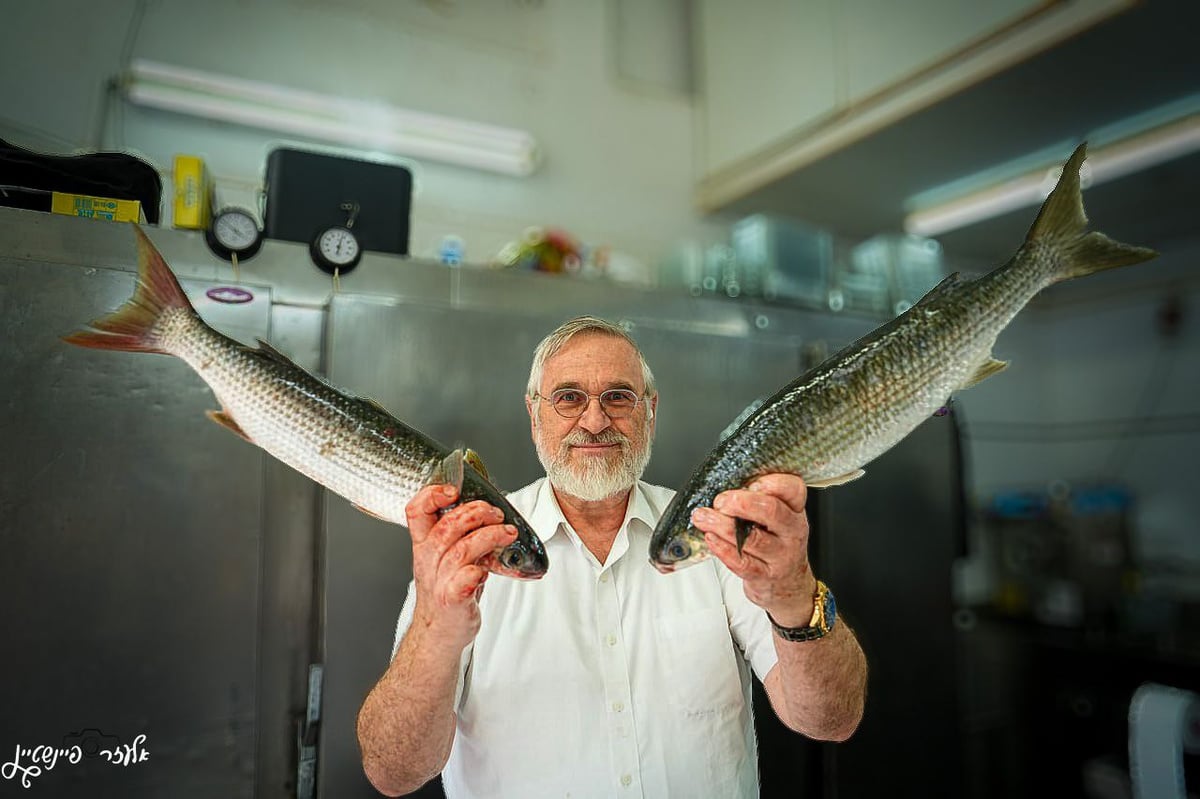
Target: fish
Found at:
x=350, y=445
x=833, y=420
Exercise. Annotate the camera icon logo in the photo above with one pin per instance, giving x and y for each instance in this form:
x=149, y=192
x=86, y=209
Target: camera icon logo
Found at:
x=91, y=741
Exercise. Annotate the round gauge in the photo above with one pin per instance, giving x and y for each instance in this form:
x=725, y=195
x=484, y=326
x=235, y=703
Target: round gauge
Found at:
x=234, y=231
x=336, y=249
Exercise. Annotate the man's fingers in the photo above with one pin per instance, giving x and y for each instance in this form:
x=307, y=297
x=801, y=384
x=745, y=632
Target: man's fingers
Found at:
x=470, y=548
x=768, y=502
x=464, y=583
x=759, y=544
x=461, y=520
x=743, y=565
x=760, y=508
x=789, y=488
x=422, y=510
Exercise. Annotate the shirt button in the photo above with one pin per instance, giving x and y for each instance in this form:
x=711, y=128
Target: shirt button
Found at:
x=612, y=640
x=626, y=779
x=618, y=706
x=604, y=577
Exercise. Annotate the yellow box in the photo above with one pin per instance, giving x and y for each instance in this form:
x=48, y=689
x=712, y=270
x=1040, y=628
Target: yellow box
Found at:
x=96, y=207
x=193, y=193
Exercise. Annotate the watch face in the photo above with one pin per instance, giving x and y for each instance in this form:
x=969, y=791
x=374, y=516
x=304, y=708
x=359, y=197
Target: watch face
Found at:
x=235, y=230
x=338, y=245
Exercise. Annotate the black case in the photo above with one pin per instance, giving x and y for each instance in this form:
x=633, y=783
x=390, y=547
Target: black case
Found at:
x=305, y=191
x=29, y=177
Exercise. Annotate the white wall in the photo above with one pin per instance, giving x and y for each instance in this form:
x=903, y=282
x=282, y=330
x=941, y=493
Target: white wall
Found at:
x=602, y=85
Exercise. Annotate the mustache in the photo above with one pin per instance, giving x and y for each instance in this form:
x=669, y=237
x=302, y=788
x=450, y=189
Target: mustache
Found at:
x=609, y=436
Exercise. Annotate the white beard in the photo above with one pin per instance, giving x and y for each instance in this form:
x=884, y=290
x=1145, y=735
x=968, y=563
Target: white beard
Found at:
x=595, y=478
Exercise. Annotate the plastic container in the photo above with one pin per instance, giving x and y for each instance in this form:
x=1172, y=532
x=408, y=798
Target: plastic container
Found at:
x=912, y=266
x=786, y=260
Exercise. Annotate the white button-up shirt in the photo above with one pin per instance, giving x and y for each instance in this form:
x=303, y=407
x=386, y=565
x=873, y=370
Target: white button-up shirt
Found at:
x=608, y=679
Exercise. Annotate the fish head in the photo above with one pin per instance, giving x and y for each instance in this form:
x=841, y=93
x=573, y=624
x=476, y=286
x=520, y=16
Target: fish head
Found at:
x=676, y=544
x=523, y=559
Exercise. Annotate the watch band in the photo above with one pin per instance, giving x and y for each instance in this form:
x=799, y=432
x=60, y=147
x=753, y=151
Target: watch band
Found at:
x=824, y=616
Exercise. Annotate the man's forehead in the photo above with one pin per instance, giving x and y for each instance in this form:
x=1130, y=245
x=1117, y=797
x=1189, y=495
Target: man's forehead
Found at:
x=596, y=355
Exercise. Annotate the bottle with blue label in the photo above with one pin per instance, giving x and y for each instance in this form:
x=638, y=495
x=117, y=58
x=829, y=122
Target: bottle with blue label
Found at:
x=452, y=250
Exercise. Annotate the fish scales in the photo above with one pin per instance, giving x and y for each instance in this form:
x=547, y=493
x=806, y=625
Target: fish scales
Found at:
x=348, y=444
x=829, y=423
x=326, y=435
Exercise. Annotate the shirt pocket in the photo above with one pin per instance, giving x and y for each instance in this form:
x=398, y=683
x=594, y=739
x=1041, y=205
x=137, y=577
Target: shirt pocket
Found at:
x=702, y=677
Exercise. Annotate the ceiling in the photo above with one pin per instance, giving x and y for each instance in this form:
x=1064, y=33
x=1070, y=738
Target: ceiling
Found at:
x=1130, y=64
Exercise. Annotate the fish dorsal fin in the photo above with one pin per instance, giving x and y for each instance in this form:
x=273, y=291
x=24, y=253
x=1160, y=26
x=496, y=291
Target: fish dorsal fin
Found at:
x=1062, y=216
x=448, y=470
x=223, y=418
x=476, y=462
x=990, y=367
x=943, y=286
x=267, y=349
x=836, y=481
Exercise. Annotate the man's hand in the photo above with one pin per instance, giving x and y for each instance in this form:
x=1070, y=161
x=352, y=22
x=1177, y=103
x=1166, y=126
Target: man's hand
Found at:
x=774, y=560
x=445, y=552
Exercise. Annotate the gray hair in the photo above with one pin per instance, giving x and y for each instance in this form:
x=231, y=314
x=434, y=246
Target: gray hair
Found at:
x=558, y=339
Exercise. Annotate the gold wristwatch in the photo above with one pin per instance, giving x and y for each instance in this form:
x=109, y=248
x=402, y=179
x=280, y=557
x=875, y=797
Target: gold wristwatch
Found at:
x=823, y=618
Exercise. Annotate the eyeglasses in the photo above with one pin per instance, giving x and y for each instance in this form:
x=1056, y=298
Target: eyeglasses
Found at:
x=570, y=403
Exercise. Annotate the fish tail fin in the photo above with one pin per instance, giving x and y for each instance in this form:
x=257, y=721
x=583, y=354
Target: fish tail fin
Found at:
x=1062, y=224
x=133, y=326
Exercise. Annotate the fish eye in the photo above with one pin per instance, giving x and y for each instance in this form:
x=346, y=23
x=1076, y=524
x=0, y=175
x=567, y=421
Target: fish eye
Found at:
x=512, y=558
x=677, y=550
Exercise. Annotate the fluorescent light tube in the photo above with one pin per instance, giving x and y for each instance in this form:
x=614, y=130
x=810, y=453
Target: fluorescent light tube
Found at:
x=1112, y=161
x=354, y=123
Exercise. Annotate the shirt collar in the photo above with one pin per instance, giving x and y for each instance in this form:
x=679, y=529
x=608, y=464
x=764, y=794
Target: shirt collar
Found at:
x=547, y=515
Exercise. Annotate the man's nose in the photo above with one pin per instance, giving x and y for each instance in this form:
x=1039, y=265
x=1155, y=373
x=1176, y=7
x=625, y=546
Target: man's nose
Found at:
x=594, y=419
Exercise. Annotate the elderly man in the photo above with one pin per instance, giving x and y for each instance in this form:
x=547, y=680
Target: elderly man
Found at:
x=605, y=678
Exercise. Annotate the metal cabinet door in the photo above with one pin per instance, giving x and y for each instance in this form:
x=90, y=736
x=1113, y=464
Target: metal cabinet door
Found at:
x=130, y=527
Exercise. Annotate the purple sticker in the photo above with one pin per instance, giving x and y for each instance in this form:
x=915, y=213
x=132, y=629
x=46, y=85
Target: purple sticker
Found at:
x=229, y=295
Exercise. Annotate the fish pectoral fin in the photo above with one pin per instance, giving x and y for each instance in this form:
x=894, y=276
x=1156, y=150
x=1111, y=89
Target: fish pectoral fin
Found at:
x=223, y=418
x=836, y=481
x=370, y=513
x=990, y=367
x=476, y=462
x=742, y=530
x=448, y=471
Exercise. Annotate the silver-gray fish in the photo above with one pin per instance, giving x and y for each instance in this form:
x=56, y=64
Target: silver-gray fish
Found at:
x=826, y=425
x=348, y=444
